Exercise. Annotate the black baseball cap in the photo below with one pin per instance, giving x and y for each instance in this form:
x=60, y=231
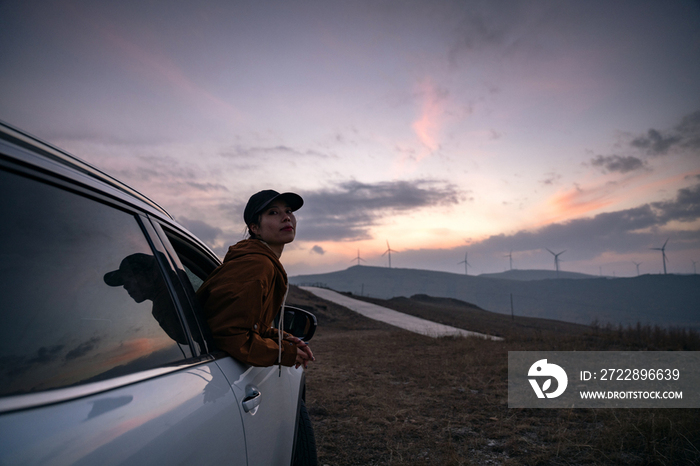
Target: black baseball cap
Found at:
x=259, y=201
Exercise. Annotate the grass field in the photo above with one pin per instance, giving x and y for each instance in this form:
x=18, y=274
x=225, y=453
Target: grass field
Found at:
x=380, y=395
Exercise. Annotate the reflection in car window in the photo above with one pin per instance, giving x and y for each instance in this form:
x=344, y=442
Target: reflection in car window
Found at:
x=193, y=266
x=69, y=314
x=140, y=276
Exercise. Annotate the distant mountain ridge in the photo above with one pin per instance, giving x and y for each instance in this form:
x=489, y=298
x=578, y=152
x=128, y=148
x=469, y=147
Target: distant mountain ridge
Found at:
x=530, y=274
x=666, y=300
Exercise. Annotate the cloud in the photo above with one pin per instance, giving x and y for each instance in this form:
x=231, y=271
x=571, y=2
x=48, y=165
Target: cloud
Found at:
x=689, y=129
x=427, y=126
x=46, y=355
x=616, y=163
x=150, y=171
x=207, y=187
x=655, y=143
x=551, y=178
x=685, y=208
x=578, y=201
x=83, y=348
x=318, y=250
x=200, y=229
x=621, y=232
x=685, y=135
x=257, y=151
x=348, y=211
x=15, y=365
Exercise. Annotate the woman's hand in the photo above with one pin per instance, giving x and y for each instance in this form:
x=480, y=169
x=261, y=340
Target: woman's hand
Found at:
x=304, y=354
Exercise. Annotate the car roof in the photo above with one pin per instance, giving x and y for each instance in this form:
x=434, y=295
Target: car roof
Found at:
x=25, y=149
x=20, y=138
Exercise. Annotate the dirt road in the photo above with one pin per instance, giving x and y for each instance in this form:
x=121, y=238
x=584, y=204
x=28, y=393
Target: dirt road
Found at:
x=391, y=317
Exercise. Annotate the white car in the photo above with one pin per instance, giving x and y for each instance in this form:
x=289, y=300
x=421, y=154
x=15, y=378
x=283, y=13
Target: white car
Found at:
x=104, y=359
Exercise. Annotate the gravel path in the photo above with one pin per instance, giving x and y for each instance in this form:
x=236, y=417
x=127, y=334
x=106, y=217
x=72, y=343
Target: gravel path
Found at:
x=391, y=317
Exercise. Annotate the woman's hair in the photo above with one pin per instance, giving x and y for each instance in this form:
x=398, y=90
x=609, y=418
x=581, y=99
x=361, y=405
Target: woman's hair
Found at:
x=256, y=221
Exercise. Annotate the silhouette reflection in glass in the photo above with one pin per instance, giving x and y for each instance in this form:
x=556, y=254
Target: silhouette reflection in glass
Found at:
x=140, y=276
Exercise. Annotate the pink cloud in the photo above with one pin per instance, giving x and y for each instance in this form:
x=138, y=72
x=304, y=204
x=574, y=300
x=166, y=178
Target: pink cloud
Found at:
x=430, y=121
x=577, y=202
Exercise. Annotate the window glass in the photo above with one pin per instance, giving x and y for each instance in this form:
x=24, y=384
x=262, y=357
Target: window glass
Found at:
x=194, y=266
x=194, y=279
x=175, y=274
x=82, y=296
x=197, y=265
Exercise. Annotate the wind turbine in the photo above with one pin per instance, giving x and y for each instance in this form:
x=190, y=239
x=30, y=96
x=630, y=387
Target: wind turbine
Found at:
x=388, y=251
x=358, y=258
x=466, y=264
x=556, y=259
x=694, y=262
x=510, y=256
x=663, y=253
x=637, y=264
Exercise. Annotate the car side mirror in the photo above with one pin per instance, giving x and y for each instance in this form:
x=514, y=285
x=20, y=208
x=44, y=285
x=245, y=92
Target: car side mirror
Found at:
x=299, y=322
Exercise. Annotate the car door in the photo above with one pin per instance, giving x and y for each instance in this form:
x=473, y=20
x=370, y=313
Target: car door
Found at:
x=95, y=369
x=268, y=398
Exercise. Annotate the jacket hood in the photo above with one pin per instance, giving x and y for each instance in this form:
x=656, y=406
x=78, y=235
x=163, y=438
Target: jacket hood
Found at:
x=254, y=247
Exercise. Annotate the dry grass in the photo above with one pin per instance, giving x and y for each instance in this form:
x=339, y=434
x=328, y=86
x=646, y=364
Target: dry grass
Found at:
x=381, y=395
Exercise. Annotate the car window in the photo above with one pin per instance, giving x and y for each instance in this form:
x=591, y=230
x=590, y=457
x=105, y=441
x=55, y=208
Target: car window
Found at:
x=83, y=296
x=195, y=280
x=194, y=266
x=197, y=265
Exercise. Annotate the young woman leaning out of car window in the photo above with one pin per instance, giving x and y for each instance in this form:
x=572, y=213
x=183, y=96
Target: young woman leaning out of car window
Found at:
x=242, y=296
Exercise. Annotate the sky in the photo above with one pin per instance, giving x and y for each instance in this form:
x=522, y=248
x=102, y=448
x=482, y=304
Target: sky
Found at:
x=491, y=129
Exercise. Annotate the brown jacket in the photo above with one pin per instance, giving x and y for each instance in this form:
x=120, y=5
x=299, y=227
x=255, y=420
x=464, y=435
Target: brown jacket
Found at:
x=241, y=299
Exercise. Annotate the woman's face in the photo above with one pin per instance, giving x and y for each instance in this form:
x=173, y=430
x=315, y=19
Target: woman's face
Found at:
x=277, y=224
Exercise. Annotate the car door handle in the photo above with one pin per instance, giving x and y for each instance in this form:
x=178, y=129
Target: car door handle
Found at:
x=252, y=399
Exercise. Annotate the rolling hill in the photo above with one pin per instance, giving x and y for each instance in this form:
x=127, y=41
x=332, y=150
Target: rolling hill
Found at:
x=666, y=300
x=529, y=275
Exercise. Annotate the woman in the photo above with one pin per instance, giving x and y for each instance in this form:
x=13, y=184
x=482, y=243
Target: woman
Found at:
x=242, y=296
